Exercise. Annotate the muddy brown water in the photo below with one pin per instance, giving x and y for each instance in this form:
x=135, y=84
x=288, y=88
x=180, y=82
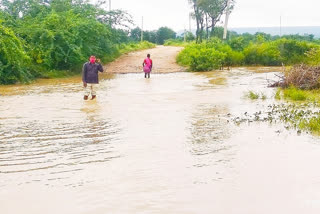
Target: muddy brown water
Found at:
x=159, y=145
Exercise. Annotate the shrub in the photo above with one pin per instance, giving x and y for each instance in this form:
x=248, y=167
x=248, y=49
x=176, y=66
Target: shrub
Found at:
x=201, y=57
x=206, y=59
x=262, y=54
x=13, y=58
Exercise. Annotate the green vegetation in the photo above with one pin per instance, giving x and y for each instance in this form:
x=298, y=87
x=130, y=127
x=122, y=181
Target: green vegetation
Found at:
x=255, y=95
x=277, y=95
x=246, y=49
x=295, y=94
x=158, y=36
x=175, y=42
x=252, y=95
x=54, y=38
x=207, y=14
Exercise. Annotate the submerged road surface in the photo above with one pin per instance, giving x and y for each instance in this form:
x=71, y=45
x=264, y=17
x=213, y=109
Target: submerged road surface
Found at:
x=159, y=145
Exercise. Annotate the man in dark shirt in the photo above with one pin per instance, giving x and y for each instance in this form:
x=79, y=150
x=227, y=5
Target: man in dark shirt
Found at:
x=90, y=77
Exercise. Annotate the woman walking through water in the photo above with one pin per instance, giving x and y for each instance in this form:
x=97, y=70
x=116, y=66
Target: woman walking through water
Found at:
x=147, y=66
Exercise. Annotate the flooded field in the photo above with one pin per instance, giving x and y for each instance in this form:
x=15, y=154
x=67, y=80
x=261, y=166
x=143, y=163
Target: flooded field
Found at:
x=165, y=145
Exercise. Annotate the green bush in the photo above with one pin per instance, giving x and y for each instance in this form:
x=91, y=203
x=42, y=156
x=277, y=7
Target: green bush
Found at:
x=262, y=50
x=13, y=58
x=262, y=54
x=293, y=51
x=206, y=59
x=208, y=56
x=313, y=57
x=55, y=39
x=201, y=57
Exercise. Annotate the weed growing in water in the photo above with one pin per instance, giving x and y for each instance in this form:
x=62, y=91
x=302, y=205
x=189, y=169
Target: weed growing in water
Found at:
x=277, y=96
x=263, y=96
x=255, y=95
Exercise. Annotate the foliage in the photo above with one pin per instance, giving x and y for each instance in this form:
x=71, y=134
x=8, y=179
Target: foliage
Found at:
x=313, y=57
x=208, y=56
x=13, y=58
x=159, y=36
x=165, y=33
x=176, y=42
x=207, y=14
x=133, y=46
x=258, y=49
x=262, y=54
x=54, y=37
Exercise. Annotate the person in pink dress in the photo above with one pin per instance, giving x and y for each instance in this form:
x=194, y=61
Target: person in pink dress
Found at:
x=147, y=66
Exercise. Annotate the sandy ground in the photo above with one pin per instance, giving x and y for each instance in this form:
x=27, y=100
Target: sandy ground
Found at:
x=163, y=57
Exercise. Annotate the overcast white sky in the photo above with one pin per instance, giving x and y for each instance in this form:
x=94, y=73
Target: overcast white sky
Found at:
x=247, y=13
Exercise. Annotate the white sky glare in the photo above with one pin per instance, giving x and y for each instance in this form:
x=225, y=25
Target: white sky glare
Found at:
x=247, y=13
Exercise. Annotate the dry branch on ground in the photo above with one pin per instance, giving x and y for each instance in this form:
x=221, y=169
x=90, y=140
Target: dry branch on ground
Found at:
x=301, y=76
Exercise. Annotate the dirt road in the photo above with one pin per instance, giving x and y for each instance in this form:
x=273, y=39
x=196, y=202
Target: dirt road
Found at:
x=164, y=61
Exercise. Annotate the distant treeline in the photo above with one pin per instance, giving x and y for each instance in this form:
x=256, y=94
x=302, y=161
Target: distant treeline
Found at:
x=247, y=49
x=157, y=36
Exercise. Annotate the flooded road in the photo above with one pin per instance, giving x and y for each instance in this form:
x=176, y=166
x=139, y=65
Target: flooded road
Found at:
x=159, y=145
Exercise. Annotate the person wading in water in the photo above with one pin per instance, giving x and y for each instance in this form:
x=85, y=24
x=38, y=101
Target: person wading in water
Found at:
x=90, y=77
x=147, y=66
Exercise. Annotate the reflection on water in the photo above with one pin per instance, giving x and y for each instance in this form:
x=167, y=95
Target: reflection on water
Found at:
x=161, y=145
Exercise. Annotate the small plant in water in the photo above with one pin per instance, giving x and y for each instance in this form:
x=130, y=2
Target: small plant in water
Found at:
x=277, y=96
x=252, y=95
x=263, y=96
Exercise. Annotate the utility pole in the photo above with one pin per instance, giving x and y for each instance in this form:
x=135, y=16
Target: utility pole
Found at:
x=142, y=30
x=190, y=22
x=280, y=26
x=226, y=21
x=109, y=5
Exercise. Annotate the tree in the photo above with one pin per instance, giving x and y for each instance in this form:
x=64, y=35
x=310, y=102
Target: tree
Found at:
x=165, y=33
x=207, y=14
x=40, y=36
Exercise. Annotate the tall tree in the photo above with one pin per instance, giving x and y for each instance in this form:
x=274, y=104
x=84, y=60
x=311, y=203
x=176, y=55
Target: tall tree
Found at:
x=207, y=14
x=165, y=33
